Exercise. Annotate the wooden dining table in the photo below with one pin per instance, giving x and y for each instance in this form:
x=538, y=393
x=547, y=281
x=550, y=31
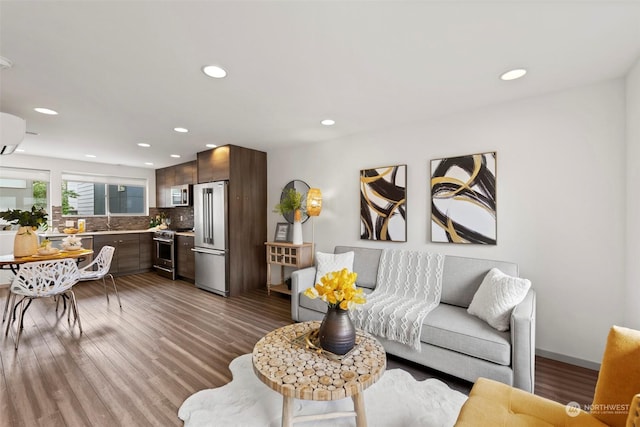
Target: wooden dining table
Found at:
x=12, y=262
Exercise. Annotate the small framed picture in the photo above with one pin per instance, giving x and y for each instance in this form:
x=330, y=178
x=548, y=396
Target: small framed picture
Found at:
x=282, y=232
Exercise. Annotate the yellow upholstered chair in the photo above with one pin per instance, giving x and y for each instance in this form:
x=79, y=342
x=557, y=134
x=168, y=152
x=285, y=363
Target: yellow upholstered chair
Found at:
x=616, y=402
x=633, y=420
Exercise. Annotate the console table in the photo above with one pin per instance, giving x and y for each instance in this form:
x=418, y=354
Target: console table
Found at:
x=286, y=255
x=300, y=373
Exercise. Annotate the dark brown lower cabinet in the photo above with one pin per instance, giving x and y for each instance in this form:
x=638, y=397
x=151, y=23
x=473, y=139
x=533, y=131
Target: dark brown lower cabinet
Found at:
x=132, y=254
x=146, y=251
x=185, y=259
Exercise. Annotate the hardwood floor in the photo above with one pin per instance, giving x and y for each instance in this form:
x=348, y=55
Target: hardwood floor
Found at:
x=136, y=365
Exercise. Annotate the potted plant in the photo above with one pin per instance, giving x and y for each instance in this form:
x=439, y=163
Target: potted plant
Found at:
x=291, y=201
x=26, y=240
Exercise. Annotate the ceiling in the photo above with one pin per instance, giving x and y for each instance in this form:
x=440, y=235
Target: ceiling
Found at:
x=124, y=72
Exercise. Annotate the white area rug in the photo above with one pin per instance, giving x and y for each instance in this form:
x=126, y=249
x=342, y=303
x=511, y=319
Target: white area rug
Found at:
x=397, y=400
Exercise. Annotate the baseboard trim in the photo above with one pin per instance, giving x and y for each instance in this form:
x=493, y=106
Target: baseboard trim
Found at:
x=568, y=359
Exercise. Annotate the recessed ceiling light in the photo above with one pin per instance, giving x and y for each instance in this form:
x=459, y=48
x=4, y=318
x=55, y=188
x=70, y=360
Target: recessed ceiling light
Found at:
x=513, y=74
x=19, y=150
x=46, y=111
x=177, y=156
x=211, y=145
x=144, y=144
x=90, y=155
x=148, y=163
x=214, y=71
x=181, y=130
x=328, y=122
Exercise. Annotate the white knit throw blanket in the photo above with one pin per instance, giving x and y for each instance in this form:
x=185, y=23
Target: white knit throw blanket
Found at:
x=408, y=287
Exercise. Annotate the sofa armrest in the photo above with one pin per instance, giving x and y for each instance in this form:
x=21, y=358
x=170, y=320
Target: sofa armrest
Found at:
x=523, y=342
x=633, y=419
x=300, y=280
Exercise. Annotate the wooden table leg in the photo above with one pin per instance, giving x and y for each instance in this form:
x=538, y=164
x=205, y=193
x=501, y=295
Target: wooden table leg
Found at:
x=358, y=405
x=287, y=411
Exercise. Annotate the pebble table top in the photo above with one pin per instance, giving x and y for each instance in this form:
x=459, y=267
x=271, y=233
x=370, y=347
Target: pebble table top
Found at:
x=294, y=371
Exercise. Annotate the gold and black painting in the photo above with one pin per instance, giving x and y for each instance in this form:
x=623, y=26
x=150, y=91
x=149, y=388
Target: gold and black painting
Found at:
x=383, y=212
x=463, y=199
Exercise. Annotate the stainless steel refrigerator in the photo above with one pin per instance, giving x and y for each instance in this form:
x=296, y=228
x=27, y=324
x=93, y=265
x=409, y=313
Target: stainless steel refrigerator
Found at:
x=210, y=246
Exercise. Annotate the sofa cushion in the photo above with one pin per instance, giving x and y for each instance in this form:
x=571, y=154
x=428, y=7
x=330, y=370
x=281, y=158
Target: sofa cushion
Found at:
x=451, y=327
x=365, y=264
x=496, y=297
x=328, y=263
x=492, y=404
x=461, y=277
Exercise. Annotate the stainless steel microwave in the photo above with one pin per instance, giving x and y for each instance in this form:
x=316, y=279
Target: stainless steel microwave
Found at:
x=181, y=195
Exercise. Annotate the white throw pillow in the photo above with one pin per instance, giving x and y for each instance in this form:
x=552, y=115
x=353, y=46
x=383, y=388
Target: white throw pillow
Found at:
x=327, y=263
x=496, y=297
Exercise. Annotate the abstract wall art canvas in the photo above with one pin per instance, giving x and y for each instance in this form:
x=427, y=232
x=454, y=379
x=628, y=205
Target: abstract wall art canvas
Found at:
x=383, y=194
x=463, y=199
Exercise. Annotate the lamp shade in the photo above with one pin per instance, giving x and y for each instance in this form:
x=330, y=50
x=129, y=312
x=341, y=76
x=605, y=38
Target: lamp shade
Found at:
x=314, y=202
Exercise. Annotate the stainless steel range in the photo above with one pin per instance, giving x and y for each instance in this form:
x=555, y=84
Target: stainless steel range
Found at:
x=164, y=257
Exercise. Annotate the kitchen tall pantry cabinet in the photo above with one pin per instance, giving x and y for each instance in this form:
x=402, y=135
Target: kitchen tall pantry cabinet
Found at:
x=246, y=171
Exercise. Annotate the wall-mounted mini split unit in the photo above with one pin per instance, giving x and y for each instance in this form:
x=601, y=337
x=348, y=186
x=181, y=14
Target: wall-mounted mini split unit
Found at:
x=12, y=130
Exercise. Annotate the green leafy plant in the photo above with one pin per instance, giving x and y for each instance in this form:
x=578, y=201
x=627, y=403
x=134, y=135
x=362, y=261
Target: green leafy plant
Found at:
x=66, y=194
x=40, y=194
x=291, y=202
x=33, y=218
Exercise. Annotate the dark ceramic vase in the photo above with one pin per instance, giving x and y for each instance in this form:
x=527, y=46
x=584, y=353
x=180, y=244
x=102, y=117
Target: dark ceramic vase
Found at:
x=337, y=334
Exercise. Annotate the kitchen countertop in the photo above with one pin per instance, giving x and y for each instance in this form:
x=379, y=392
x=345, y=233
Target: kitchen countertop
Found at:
x=101, y=233
x=96, y=233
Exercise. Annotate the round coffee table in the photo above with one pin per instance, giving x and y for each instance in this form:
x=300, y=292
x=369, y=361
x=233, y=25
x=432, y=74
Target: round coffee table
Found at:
x=286, y=366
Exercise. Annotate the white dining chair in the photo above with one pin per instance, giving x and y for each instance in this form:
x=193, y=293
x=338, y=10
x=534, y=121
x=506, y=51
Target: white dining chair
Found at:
x=102, y=264
x=6, y=303
x=42, y=279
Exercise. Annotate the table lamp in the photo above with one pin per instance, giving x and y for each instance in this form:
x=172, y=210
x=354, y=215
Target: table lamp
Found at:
x=314, y=206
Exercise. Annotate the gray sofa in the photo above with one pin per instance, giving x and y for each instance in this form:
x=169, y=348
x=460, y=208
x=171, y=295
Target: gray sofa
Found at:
x=452, y=341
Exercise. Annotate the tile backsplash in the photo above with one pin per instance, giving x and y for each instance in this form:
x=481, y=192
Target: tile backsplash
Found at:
x=181, y=218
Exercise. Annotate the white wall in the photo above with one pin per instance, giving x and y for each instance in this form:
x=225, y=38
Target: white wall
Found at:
x=561, y=199
x=6, y=247
x=632, y=311
x=57, y=166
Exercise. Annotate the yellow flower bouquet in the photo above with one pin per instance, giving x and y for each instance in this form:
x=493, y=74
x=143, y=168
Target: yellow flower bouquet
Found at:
x=338, y=290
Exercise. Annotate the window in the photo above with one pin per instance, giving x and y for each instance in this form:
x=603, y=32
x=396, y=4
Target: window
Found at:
x=23, y=188
x=87, y=195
